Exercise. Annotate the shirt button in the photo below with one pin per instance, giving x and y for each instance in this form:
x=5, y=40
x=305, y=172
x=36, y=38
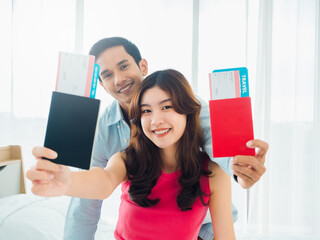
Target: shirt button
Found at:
x=125, y=140
x=118, y=126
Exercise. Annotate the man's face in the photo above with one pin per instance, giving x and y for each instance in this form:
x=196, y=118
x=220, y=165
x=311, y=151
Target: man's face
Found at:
x=120, y=75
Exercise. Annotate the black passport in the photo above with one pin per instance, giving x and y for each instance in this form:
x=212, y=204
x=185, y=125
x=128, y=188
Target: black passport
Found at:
x=71, y=128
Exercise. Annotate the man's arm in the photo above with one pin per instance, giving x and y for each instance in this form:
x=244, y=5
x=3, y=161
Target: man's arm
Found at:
x=248, y=169
x=82, y=219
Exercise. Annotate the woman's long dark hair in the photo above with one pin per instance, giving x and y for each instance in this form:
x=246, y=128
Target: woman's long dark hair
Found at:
x=142, y=157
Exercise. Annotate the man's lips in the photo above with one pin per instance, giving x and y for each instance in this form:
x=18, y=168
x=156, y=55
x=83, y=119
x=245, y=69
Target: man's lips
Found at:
x=125, y=88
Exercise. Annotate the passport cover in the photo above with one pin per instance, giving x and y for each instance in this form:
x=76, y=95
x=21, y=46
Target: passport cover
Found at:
x=231, y=126
x=71, y=128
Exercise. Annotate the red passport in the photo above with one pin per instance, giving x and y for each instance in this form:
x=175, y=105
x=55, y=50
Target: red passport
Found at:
x=231, y=126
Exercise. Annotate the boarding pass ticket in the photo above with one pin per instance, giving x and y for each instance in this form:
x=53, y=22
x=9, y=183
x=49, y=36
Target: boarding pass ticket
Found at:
x=229, y=83
x=77, y=74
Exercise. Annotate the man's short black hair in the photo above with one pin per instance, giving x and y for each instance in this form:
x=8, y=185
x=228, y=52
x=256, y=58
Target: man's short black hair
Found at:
x=106, y=43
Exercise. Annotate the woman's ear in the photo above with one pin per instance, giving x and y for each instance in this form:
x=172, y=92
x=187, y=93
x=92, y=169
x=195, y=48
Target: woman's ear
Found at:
x=143, y=64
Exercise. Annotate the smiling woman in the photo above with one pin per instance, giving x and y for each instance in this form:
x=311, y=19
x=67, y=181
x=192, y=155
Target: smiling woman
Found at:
x=163, y=173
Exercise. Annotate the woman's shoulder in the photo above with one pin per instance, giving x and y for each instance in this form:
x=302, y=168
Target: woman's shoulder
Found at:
x=217, y=176
x=211, y=166
x=117, y=167
x=118, y=157
x=214, y=168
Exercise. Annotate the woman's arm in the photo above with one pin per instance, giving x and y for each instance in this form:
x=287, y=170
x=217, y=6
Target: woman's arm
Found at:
x=50, y=179
x=98, y=183
x=220, y=203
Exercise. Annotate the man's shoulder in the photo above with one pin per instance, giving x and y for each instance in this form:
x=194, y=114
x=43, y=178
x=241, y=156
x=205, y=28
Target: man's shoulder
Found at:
x=110, y=114
x=201, y=100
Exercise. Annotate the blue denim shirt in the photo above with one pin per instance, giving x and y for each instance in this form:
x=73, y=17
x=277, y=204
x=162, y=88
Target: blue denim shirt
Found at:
x=112, y=136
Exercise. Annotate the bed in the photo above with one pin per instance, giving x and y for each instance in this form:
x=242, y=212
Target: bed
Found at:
x=25, y=216
x=29, y=217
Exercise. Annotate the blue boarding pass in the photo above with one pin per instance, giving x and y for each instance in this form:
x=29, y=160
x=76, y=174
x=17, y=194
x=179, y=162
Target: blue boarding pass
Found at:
x=229, y=83
x=95, y=77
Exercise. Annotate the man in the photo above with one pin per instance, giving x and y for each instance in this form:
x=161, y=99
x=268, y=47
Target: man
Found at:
x=121, y=71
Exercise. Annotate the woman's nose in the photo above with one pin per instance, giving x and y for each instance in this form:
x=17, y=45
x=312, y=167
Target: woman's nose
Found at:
x=157, y=118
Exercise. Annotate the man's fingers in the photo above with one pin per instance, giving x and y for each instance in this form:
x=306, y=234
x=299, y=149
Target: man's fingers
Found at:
x=40, y=152
x=246, y=181
x=256, y=143
x=247, y=172
x=249, y=166
x=245, y=160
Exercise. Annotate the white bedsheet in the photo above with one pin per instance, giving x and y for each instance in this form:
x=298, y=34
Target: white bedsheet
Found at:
x=29, y=217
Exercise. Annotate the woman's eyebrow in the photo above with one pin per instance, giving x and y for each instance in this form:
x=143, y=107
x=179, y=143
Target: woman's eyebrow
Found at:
x=161, y=102
x=164, y=101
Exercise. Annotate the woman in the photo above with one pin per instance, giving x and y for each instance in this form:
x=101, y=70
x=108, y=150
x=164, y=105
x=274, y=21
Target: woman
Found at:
x=168, y=183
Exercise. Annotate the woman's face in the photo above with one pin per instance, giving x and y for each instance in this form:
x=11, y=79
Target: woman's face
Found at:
x=159, y=121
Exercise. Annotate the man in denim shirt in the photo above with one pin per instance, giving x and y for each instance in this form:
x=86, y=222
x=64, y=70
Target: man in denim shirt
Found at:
x=121, y=71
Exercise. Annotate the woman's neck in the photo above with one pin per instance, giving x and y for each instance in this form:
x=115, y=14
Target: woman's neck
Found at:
x=169, y=160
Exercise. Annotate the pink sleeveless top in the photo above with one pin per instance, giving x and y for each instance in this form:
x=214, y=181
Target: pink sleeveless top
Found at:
x=165, y=220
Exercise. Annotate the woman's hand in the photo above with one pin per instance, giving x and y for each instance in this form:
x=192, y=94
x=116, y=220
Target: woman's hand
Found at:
x=48, y=179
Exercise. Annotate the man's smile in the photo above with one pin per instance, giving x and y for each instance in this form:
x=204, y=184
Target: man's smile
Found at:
x=125, y=88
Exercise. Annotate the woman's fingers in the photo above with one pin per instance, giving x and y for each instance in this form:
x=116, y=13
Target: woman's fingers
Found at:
x=47, y=165
x=43, y=170
x=43, y=189
x=36, y=175
x=40, y=152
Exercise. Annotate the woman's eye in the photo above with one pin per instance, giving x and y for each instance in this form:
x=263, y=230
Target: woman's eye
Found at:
x=145, y=111
x=167, y=107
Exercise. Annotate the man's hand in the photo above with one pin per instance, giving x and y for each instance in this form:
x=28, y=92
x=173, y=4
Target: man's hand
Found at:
x=249, y=169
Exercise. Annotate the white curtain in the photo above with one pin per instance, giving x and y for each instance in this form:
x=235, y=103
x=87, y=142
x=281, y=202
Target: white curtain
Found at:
x=279, y=42
x=286, y=110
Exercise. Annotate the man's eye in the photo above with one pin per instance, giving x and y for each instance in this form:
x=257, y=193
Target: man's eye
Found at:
x=107, y=76
x=167, y=107
x=123, y=67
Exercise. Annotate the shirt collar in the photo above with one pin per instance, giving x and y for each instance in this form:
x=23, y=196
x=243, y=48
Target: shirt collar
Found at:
x=114, y=113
